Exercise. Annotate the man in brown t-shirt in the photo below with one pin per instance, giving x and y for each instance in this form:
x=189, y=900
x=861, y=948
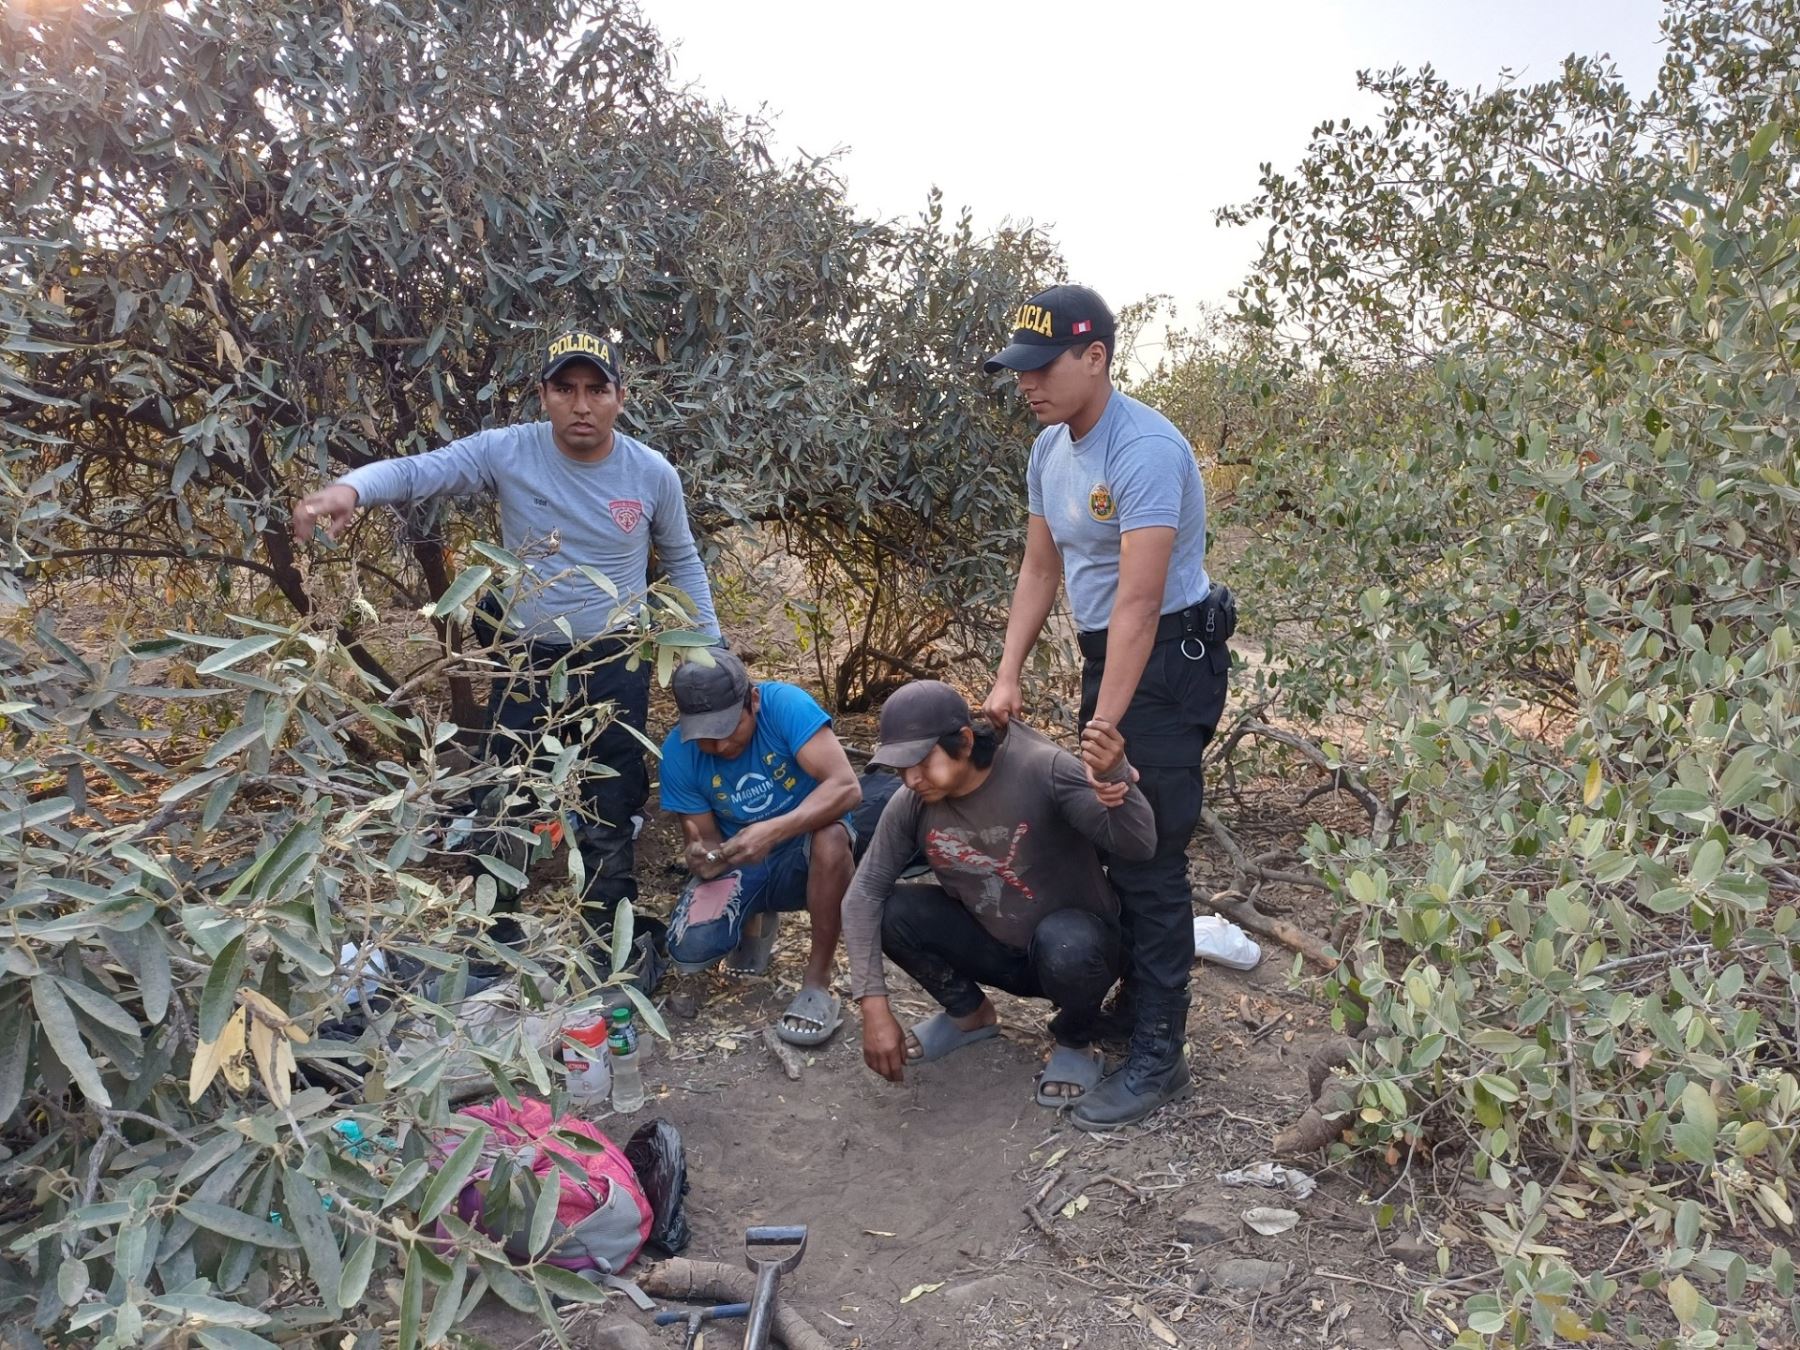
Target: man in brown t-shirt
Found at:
x=1019, y=901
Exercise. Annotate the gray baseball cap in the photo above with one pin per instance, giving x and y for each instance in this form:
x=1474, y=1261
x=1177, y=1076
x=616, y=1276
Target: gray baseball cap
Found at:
x=915, y=719
x=711, y=698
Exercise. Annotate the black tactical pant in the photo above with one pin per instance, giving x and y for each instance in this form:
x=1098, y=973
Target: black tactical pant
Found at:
x=521, y=705
x=1172, y=716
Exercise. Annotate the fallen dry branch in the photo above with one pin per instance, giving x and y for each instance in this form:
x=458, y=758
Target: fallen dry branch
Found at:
x=1036, y=1214
x=1252, y=869
x=716, y=1282
x=1321, y=1123
x=1233, y=905
x=1343, y=778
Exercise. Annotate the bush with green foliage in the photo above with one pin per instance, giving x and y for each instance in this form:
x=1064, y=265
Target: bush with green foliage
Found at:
x=244, y=247
x=220, y=955
x=1526, y=505
x=277, y=241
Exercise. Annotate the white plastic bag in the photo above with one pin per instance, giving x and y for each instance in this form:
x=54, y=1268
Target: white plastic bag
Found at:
x=366, y=966
x=1297, y=1183
x=1224, y=943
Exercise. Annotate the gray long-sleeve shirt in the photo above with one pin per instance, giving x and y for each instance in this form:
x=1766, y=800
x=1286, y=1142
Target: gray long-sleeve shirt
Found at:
x=603, y=515
x=1019, y=847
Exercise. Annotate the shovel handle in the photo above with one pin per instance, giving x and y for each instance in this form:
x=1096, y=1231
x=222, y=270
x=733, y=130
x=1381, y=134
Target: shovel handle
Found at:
x=762, y=1309
x=769, y=1236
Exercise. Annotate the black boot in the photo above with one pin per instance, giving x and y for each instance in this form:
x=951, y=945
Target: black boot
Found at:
x=1153, y=1075
x=610, y=858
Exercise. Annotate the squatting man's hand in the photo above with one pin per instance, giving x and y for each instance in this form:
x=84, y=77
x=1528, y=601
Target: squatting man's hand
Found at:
x=706, y=860
x=884, y=1043
x=750, y=844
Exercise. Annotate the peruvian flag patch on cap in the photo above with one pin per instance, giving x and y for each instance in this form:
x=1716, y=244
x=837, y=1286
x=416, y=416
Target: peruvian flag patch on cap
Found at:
x=1084, y=326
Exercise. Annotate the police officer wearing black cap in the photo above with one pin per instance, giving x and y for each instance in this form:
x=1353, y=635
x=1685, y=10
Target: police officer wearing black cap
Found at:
x=1118, y=516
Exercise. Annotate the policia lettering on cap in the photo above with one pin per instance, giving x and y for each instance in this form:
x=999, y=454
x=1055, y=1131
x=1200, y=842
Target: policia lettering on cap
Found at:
x=1118, y=517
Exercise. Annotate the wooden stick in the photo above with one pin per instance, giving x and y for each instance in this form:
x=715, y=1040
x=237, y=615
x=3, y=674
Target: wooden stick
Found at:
x=789, y=1057
x=1039, y=1222
x=1246, y=869
x=684, y=1280
x=1125, y=1186
x=1269, y=1026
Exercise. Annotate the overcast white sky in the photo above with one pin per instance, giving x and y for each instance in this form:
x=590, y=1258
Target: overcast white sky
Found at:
x=1118, y=124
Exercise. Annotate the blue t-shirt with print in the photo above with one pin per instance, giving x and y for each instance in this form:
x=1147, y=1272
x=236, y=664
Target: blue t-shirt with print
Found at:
x=764, y=782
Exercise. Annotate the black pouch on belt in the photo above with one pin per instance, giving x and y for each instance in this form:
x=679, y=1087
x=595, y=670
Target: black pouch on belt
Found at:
x=1215, y=620
x=1218, y=615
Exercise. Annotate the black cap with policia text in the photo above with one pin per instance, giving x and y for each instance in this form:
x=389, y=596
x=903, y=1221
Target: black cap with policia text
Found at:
x=1050, y=323
x=578, y=344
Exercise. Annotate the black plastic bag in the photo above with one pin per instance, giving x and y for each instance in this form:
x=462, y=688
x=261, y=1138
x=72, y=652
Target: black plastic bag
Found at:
x=657, y=1156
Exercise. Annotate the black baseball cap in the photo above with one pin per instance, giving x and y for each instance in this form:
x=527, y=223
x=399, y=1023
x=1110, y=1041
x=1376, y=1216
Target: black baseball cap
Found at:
x=581, y=344
x=711, y=698
x=1050, y=323
x=915, y=718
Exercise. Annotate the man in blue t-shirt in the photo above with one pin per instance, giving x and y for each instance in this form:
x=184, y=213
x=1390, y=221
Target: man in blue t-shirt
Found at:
x=764, y=791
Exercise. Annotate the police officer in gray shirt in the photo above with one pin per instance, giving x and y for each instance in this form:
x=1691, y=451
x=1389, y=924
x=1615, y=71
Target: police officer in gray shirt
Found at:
x=574, y=493
x=1118, y=515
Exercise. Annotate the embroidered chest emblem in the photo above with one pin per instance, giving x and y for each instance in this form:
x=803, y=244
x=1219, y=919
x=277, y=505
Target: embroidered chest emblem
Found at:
x=626, y=513
x=1101, y=505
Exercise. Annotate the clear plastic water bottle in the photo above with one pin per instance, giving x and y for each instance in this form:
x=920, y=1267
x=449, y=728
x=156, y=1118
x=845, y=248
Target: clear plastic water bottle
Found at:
x=622, y=1022
x=627, y=1073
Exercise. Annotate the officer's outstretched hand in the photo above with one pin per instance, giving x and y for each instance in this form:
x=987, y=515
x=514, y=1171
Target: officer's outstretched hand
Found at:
x=884, y=1044
x=330, y=508
x=1004, y=702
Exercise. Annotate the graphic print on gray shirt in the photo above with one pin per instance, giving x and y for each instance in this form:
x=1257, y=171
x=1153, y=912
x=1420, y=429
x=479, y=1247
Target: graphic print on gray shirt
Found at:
x=603, y=515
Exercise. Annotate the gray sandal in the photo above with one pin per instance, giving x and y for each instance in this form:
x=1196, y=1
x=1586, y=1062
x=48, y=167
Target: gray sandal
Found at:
x=755, y=951
x=819, y=1013
x=1072, y=1068
x=938, y=1036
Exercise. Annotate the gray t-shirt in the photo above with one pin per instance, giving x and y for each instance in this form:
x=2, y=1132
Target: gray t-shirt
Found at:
x=1021, y=846
x=1132, y=470
x=604, y=515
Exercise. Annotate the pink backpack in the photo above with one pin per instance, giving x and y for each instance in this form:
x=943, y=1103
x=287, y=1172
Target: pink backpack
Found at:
x=601, y=1222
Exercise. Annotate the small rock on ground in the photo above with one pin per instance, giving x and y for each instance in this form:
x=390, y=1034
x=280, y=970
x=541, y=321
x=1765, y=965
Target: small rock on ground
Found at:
x=619, y=1336
x=977, y=1292
x=1414, y=1251
x=1204, y=1227
x=1250, y=1275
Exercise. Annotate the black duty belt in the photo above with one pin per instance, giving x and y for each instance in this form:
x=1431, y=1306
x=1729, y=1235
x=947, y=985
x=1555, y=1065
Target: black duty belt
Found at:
x=1213, y=619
